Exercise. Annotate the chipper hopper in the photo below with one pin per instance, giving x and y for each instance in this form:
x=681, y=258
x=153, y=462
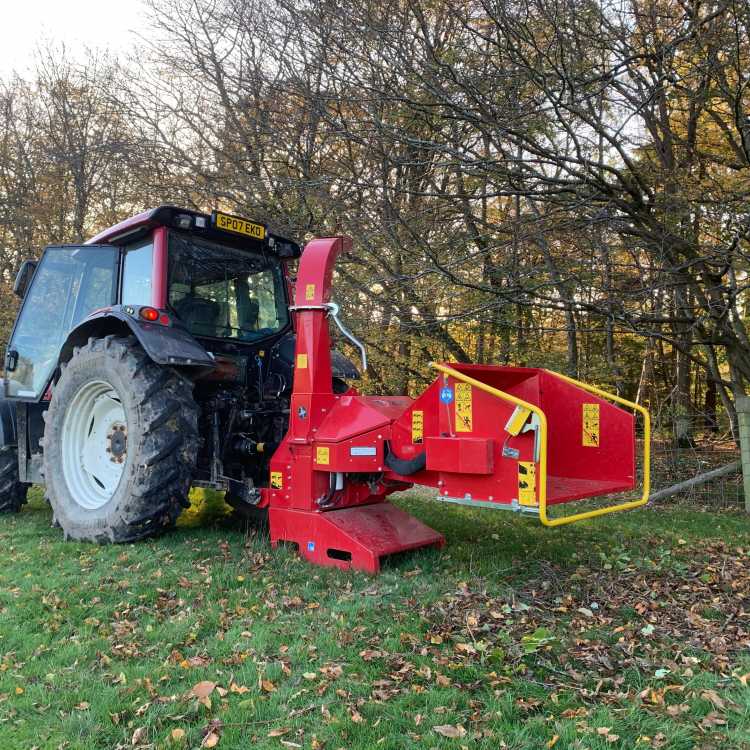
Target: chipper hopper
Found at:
x=517, y=438
x=166, y=353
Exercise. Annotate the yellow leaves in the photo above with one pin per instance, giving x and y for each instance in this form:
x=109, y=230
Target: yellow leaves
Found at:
x=19, y=691
x=553, y=741
x=268, y=686
x=177, y=736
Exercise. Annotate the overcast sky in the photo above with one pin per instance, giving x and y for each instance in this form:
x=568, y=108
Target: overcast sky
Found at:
x=94, y=23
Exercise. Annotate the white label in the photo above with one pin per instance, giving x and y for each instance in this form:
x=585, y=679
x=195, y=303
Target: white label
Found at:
x=363, y=450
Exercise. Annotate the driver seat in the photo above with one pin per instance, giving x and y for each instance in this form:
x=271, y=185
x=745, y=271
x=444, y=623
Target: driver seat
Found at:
x=200, y=315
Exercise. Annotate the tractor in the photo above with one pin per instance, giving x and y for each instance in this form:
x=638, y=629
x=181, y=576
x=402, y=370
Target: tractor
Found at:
x=176, y=349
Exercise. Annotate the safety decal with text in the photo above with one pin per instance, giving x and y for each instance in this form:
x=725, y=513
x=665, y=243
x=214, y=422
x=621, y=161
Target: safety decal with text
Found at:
x=302, y=361
x=527, y=483
x=463, y=407
x=277, y=480
x=310, y=292
x=590, y=435
x=322, y=455
x=417, y=426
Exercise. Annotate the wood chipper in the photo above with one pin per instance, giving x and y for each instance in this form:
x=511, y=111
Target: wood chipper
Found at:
x=166, y=352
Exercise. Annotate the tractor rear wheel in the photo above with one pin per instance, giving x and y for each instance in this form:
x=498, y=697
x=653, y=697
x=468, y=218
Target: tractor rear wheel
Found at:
x=120, y=443
x=12, y=491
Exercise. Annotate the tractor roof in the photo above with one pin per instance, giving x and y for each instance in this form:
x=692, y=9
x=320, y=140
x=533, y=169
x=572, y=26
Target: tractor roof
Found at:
x=185, y=219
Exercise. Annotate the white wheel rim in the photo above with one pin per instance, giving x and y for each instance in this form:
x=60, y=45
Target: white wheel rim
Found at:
x=94, y=444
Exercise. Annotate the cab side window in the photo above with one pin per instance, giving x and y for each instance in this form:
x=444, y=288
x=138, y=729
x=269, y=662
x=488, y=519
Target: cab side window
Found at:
x=137, y=273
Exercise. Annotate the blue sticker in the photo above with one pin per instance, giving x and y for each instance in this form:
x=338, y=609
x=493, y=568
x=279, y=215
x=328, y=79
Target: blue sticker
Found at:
x=446, y=395
x=311, y=546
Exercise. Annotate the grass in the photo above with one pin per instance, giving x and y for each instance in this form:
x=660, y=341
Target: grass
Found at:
x=624, y=632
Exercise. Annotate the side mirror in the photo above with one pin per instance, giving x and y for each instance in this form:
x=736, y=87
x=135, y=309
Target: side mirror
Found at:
x=23, y=277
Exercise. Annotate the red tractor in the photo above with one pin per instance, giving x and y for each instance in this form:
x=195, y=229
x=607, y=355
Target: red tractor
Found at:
x=166, y=353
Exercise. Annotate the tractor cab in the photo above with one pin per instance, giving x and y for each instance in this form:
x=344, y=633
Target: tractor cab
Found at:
x=220, y=279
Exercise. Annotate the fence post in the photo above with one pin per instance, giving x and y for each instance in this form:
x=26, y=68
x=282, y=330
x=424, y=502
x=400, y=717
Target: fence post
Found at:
x=742, y=405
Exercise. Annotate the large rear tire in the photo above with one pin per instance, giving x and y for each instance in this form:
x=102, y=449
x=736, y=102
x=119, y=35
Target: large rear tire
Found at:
x=120, y=443
x=12, y=492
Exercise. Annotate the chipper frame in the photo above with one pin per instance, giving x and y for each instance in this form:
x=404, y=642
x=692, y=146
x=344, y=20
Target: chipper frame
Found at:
x=495, y=437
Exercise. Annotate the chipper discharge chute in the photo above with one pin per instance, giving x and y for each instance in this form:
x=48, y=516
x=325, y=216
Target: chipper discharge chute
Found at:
x=497, y=437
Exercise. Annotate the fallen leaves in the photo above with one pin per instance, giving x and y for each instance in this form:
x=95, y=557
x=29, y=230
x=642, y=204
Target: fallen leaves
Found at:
x=203, y=689
x=606, y=732
x=212, y=733
x=279, y=732
x=177, y=735
x=201, y=692
x=451, y=731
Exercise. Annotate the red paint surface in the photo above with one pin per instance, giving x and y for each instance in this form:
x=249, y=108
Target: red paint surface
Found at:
x=160, y=261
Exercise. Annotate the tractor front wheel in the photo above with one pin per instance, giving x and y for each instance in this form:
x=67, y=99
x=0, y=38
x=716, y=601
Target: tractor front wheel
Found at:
x=120, y=443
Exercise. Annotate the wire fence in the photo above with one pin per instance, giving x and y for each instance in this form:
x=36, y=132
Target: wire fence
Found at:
x=671, y=464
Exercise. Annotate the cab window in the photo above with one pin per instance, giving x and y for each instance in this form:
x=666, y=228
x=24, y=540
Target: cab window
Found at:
x=224, y=292
x=137, y=274
x=69, y=284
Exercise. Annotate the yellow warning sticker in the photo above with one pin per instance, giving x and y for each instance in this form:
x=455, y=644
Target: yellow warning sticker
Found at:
x=302, y=361
x=527, y=483
x=310, y=292
x=277, y=480
x=417, y=426
x=322, y=455
x=590, y=435
x=463, y=407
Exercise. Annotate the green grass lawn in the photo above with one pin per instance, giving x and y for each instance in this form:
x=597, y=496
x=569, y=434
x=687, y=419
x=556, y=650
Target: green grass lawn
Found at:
x=623, y=632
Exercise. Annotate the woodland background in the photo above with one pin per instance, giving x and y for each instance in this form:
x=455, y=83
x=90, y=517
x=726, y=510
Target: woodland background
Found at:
x=558, y=183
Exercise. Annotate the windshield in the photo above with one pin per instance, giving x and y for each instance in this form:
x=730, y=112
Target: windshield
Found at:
x=222, y=292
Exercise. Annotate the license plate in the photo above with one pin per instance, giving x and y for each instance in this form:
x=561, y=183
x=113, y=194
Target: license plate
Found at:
x=239, y=226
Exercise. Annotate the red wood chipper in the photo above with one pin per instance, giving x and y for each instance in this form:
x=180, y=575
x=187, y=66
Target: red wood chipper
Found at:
x=493, y=437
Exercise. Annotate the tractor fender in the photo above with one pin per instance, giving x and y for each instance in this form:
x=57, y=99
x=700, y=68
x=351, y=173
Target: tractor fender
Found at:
x=164, y=344
x=7, y=423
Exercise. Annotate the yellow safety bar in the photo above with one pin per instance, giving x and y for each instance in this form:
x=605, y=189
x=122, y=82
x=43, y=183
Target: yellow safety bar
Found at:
x=626, y=505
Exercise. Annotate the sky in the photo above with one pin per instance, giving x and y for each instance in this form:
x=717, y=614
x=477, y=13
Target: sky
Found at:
x=26, y=24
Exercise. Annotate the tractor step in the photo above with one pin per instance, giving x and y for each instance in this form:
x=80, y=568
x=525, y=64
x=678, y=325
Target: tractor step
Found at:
x=356, y=537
